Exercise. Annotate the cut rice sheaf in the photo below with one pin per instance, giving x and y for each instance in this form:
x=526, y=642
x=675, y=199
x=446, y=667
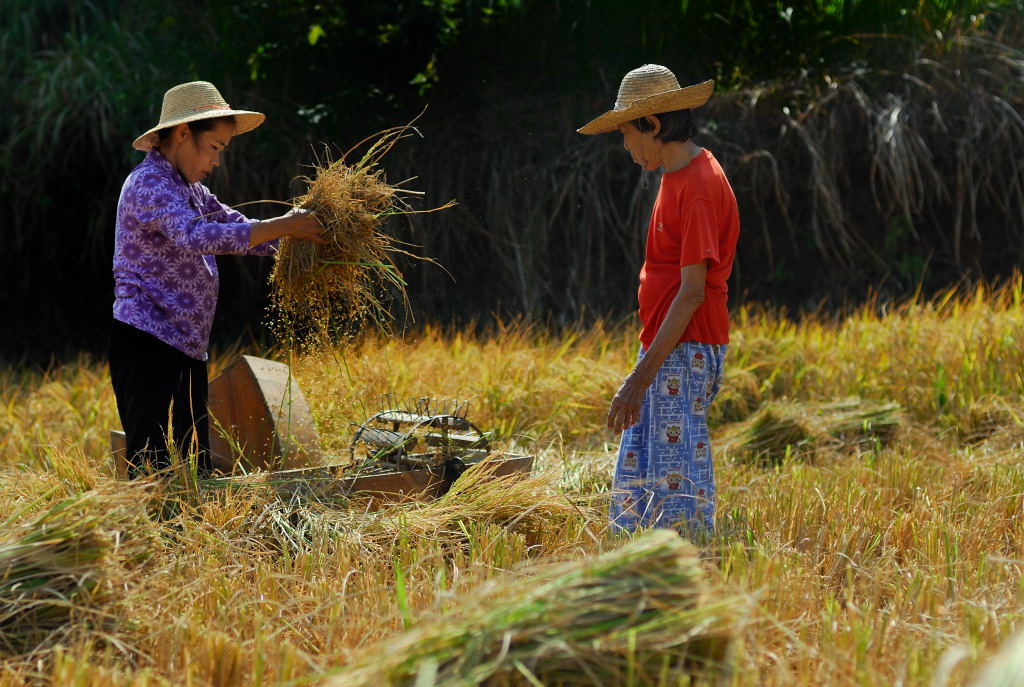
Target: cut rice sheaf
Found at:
x=639, y=614
x=320, y=290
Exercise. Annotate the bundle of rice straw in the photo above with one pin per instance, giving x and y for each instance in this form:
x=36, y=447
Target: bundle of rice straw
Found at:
x=295, y=513
x=527, y=505
x=740, y=396
x=636, y=615
x=317, y=290
x=802, y=430
x=991, y=415
x=51, y=568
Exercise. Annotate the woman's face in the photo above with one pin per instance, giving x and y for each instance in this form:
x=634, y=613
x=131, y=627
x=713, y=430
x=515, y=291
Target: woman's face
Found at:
x=196, y=155
x=642, y=146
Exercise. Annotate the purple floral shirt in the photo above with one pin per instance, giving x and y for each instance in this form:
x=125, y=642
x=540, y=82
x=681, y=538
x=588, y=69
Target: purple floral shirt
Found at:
x=165, y=273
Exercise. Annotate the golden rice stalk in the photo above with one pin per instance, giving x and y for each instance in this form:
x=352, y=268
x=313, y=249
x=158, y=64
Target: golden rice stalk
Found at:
x=780, y=429
x=636, y=615
x=318, y=290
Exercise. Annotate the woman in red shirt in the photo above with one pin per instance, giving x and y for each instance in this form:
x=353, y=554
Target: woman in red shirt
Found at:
x=664, y=476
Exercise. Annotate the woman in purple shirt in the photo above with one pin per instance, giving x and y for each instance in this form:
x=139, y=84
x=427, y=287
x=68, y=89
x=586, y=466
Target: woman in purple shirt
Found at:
x=169, y=228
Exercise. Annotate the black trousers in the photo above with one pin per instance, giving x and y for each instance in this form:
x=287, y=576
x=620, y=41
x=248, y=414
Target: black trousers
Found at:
x=153, y=383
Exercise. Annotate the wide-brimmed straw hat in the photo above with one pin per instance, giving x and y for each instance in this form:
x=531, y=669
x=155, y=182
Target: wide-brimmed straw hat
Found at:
x=195, y=100
x=647, y=90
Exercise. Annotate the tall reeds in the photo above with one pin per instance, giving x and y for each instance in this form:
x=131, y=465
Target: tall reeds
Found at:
x=883, y=174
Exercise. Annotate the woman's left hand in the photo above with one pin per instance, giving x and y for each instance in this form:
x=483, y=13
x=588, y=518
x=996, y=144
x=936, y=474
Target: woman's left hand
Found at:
x=625, y=409
x=306, y=226
x=297, y=223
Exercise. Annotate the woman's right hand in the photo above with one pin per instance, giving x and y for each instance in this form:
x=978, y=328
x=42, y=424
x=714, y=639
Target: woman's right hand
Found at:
x=624, y=411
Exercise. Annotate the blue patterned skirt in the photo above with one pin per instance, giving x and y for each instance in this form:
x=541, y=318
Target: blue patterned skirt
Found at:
x=664, y=476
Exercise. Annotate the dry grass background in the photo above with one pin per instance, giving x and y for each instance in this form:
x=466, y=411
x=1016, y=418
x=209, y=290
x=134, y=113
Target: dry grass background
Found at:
x=888, y=562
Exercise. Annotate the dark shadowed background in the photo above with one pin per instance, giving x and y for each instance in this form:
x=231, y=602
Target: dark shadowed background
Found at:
x=875, y=148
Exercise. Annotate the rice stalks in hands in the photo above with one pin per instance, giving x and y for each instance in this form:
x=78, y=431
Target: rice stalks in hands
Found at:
x=636, y=615
x=318, y=290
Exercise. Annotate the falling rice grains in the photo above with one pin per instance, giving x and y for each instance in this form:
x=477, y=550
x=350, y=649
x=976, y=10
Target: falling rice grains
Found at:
x=318, y=290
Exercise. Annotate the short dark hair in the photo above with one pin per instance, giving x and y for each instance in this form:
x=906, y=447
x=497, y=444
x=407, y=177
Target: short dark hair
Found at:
x=197, y=126
x=675, y=126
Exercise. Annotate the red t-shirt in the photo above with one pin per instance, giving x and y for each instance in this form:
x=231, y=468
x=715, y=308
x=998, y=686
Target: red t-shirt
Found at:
x=694, y=218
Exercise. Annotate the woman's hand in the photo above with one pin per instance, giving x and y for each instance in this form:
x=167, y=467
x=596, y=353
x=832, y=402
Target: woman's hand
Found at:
x=625, y=408
x=299, y=224
x=305, y=226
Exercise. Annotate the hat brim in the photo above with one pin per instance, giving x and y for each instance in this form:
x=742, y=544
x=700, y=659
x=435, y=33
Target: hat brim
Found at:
x=245, y=120
x=669, y=101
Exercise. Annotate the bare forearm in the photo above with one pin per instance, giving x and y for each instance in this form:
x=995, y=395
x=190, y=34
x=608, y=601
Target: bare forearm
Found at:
x=626, y=404
x=266, y=230
x=297, y=224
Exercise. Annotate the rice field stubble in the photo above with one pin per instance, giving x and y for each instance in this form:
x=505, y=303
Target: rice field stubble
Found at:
x=868, y=562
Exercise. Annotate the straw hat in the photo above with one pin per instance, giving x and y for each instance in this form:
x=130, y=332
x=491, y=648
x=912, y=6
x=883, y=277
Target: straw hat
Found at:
x=191, y=101
x=647, y=90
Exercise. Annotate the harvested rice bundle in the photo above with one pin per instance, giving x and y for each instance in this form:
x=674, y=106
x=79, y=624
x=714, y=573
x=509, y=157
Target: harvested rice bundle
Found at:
x=853, y=421
x=740, y=396
x=803, y=429
x=295, y=514
x=51, y=568
x=991, y=415
x=636, y=615
x=530, y=506
x=317, y=289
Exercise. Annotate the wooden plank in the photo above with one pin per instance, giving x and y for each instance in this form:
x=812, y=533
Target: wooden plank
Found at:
x=513, y=463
